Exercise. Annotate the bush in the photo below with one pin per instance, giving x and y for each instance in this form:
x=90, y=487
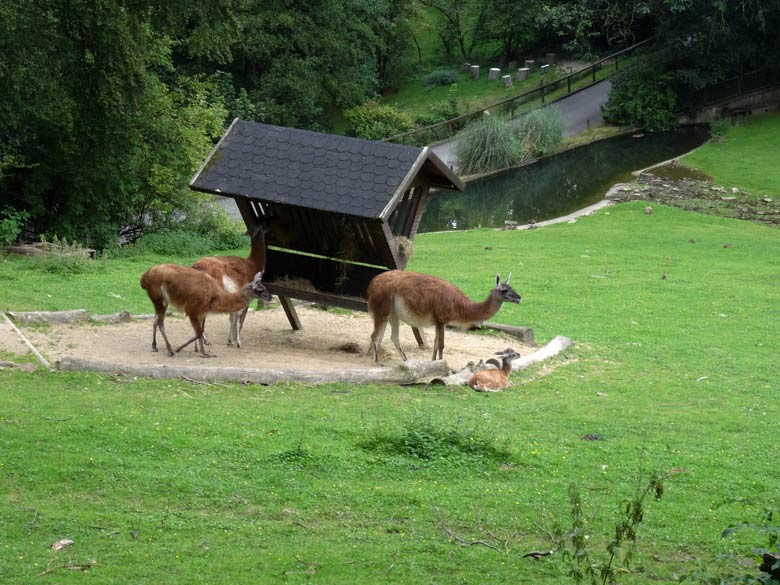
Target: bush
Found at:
x=441, y=77
x=642, y=97
x=487, y=144
x=174, y=243
x=375, y=122
x=541, y=130
x=11, y=225
x=718, y=127
x=211, y=221
x=440, y=111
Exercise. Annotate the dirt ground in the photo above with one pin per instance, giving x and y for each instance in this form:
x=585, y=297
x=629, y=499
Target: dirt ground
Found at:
x=329, y=340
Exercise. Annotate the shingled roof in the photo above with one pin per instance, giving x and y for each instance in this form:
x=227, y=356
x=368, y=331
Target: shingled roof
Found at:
x=326, y=172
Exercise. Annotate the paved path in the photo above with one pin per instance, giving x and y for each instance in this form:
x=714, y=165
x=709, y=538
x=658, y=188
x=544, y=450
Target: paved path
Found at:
x=580, y=110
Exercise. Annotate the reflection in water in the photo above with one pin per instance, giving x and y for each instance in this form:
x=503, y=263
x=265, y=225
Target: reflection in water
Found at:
x=555, y=186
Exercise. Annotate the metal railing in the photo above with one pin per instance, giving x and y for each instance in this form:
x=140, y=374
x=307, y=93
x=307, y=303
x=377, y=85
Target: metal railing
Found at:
x=736, y=86
x=517, y=104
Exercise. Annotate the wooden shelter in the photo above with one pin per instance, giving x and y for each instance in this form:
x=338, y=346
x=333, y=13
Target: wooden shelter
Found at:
x=335, y=211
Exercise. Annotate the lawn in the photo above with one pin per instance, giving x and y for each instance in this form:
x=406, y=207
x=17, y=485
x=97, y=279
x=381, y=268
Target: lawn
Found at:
x=746, y=158
x=175, y=482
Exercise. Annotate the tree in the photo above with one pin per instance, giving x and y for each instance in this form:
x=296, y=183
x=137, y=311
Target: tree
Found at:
x=89, y=131
x=392, y=24
x=511, y=24
x=459, y=23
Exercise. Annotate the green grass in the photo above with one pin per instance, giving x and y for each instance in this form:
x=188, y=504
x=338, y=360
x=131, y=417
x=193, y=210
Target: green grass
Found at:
x=746, y=158
x=168, y=481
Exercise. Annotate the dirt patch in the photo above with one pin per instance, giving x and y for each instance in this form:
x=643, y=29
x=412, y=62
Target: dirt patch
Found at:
x=329, y=340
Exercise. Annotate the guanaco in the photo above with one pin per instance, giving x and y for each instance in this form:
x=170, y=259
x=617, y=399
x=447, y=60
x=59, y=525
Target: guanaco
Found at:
x=420, y=299
x=196, y=294
x=494, y=380
x=234, y=272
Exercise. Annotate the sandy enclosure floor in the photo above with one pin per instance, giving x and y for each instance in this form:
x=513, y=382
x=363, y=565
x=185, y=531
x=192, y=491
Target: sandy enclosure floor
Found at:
x=328, y=341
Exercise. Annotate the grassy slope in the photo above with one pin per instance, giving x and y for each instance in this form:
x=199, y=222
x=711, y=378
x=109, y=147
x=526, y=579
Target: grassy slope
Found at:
x=747, y=158
x=169, y=481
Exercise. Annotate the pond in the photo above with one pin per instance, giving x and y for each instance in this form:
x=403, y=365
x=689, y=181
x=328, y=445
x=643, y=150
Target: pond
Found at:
x=558, y=185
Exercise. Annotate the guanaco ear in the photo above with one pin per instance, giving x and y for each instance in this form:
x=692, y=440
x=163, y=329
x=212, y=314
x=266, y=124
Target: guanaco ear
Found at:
x=258, y=278
x=498, y=279
x=507, y=278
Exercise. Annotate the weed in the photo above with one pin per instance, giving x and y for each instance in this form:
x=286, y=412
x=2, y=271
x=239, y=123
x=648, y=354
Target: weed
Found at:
x=768, y=556
x=718, y=127
x=576, y=546
x=424, y=439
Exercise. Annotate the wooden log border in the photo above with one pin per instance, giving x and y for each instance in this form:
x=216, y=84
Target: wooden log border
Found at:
x=410, y=372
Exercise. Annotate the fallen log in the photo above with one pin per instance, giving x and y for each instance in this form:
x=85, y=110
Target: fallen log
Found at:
x=121, y=317
x=556, y=346
x=75, y=316
x=524, y=334
x=410, y=372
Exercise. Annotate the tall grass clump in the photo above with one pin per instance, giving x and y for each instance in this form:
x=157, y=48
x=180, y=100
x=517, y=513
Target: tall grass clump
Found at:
x=488, y=144
x=718, y=127
x=541, y=131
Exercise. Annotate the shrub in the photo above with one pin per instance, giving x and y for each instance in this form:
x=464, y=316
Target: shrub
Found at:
x=11, y=225
x=174, y=243
x=718, y=127
x=440, y=111
x=441, y=77
x=374, y=121
x=211, y=221
x=541, y=130
x=642, y=97
x=487, y=144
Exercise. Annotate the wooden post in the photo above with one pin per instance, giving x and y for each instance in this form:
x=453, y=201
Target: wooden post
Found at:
x=522, y=73
x=507, y=79
x=494, y=73
x=474, y=71
x=292, y=314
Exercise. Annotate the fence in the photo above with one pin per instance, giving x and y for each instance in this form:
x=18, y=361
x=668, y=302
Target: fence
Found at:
x=512, y=106
x=736, y=86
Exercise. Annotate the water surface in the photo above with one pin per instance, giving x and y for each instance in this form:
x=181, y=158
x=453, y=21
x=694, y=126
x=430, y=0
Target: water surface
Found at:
x=558, y=185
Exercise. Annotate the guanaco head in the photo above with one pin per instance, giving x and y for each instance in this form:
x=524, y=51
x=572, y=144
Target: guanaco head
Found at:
x=505, y=293
x=257, y=288
x=507, y=357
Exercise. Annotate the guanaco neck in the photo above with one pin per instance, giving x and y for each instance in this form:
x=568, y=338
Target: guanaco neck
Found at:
x=506, y=365
x=485, y=310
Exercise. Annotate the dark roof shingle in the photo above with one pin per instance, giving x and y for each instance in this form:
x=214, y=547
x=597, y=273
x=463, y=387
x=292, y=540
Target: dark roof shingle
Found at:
x=308, y=169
